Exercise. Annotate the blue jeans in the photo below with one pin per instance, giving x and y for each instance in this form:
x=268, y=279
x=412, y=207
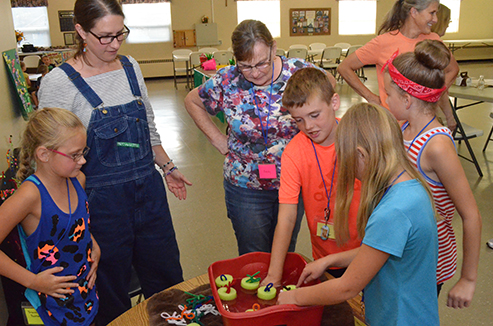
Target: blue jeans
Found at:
x=133, y=226
x=253, y=214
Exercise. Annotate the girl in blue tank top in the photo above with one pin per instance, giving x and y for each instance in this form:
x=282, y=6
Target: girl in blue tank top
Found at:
x=52, y=215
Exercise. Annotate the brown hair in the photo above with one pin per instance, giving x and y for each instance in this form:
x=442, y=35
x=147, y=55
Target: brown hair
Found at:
x=443, y=20
x=424, y=66
x=303, y=84
x=48, y=127
x=376, y=131
x=43, y=69
x=86, y=14
x=246, y=35
x=397, y=16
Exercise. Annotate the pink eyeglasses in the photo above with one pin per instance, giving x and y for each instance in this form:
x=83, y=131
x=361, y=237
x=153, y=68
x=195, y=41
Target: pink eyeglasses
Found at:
x=76, y=157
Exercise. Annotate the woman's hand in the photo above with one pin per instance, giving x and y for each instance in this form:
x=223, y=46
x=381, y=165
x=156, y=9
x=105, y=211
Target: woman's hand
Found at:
x=374, y=99
x=94, y=262
x=56, y=286
x=176, y=184
x=460, y=296
x=312, y=271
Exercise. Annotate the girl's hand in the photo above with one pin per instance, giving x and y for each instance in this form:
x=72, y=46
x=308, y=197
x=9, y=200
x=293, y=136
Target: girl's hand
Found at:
x=94, y=262
x=286, y=297
x=176, y=184
x=311, y=272
x=270, y=279
x=460, y=296
x=56, y=286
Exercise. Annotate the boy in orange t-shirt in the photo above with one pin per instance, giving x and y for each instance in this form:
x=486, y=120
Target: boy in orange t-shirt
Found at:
x=311, y=154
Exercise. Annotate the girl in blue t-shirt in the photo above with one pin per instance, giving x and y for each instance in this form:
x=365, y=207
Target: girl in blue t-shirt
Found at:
x=396, y=263
x=52, y=214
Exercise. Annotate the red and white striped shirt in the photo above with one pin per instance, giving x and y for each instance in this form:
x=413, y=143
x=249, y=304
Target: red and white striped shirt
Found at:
x=447, y=247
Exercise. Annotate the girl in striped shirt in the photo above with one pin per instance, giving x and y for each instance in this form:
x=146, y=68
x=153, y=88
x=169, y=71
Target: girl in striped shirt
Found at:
x=414, y=82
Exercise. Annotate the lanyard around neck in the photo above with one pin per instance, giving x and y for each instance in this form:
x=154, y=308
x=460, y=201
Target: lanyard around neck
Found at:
x=392, y=183
x=328, y=194
x=265, y=131
x=419, y=133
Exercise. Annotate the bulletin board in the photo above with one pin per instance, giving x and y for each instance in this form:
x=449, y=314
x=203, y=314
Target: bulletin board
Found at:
x=309, y=21
x=14, y=68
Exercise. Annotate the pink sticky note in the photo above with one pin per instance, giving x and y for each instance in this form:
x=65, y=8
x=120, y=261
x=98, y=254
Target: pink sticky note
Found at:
x=267, y=171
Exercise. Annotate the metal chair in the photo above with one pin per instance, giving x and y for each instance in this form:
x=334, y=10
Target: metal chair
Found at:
x=317, y=46
x=298, y=46
x=489, y=135
x=134, y=287
x=222, y=57
x=464, y=132
x=352, y=49
x=344, y=46
x=194, y=62
x=32, y=62
x=297, y=53
x=195, y=59
x=182, y=55
x=330, y=59
x=314, y=50
x=208, y=50
x=281, y=52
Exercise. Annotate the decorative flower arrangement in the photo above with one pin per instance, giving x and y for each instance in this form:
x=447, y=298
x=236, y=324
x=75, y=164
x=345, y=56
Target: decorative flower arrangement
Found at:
x=19, y=36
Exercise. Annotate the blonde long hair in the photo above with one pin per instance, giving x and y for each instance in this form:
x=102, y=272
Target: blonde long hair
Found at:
x=376, y=131
x=48, y=127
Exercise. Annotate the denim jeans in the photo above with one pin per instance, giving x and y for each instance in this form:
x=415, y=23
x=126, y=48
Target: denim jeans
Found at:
x=133, y=226
x=253, y=214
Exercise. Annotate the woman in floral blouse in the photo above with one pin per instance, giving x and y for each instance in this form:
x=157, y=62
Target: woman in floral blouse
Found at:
x=250, y=95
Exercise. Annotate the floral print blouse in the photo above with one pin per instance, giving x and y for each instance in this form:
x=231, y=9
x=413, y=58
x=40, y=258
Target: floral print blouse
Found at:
x=246, y=106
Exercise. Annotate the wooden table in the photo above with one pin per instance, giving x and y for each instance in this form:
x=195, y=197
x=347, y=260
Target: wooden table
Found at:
x=137, y=316
x=474, y=94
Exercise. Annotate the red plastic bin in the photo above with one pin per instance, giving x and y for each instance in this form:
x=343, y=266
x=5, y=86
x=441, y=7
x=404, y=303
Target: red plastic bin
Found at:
x=269, y=315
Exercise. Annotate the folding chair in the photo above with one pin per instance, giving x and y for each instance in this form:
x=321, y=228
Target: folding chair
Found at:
x=331, y=56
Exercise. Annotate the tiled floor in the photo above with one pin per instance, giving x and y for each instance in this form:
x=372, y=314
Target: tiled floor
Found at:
x=205, y=234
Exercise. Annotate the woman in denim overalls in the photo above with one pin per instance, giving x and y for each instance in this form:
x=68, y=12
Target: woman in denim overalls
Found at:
x=130, y=216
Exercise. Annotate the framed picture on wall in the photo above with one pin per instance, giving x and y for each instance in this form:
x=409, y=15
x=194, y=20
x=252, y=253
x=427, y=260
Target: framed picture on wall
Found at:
x=69, y=38
x=309, y=21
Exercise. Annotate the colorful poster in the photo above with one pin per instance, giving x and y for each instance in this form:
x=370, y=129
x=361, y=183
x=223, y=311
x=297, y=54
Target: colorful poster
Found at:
x=308, y=21
x=14, y=67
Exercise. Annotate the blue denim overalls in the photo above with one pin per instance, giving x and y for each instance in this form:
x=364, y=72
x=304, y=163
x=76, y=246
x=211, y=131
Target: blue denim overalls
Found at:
x=130, y=217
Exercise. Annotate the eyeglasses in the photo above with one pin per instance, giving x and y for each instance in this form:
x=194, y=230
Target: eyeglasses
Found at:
x=76, y=157
x=258, y=66
x=120, y=37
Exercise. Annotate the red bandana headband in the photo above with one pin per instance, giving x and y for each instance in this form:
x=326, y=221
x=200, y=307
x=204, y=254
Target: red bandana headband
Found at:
x=419, y=91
